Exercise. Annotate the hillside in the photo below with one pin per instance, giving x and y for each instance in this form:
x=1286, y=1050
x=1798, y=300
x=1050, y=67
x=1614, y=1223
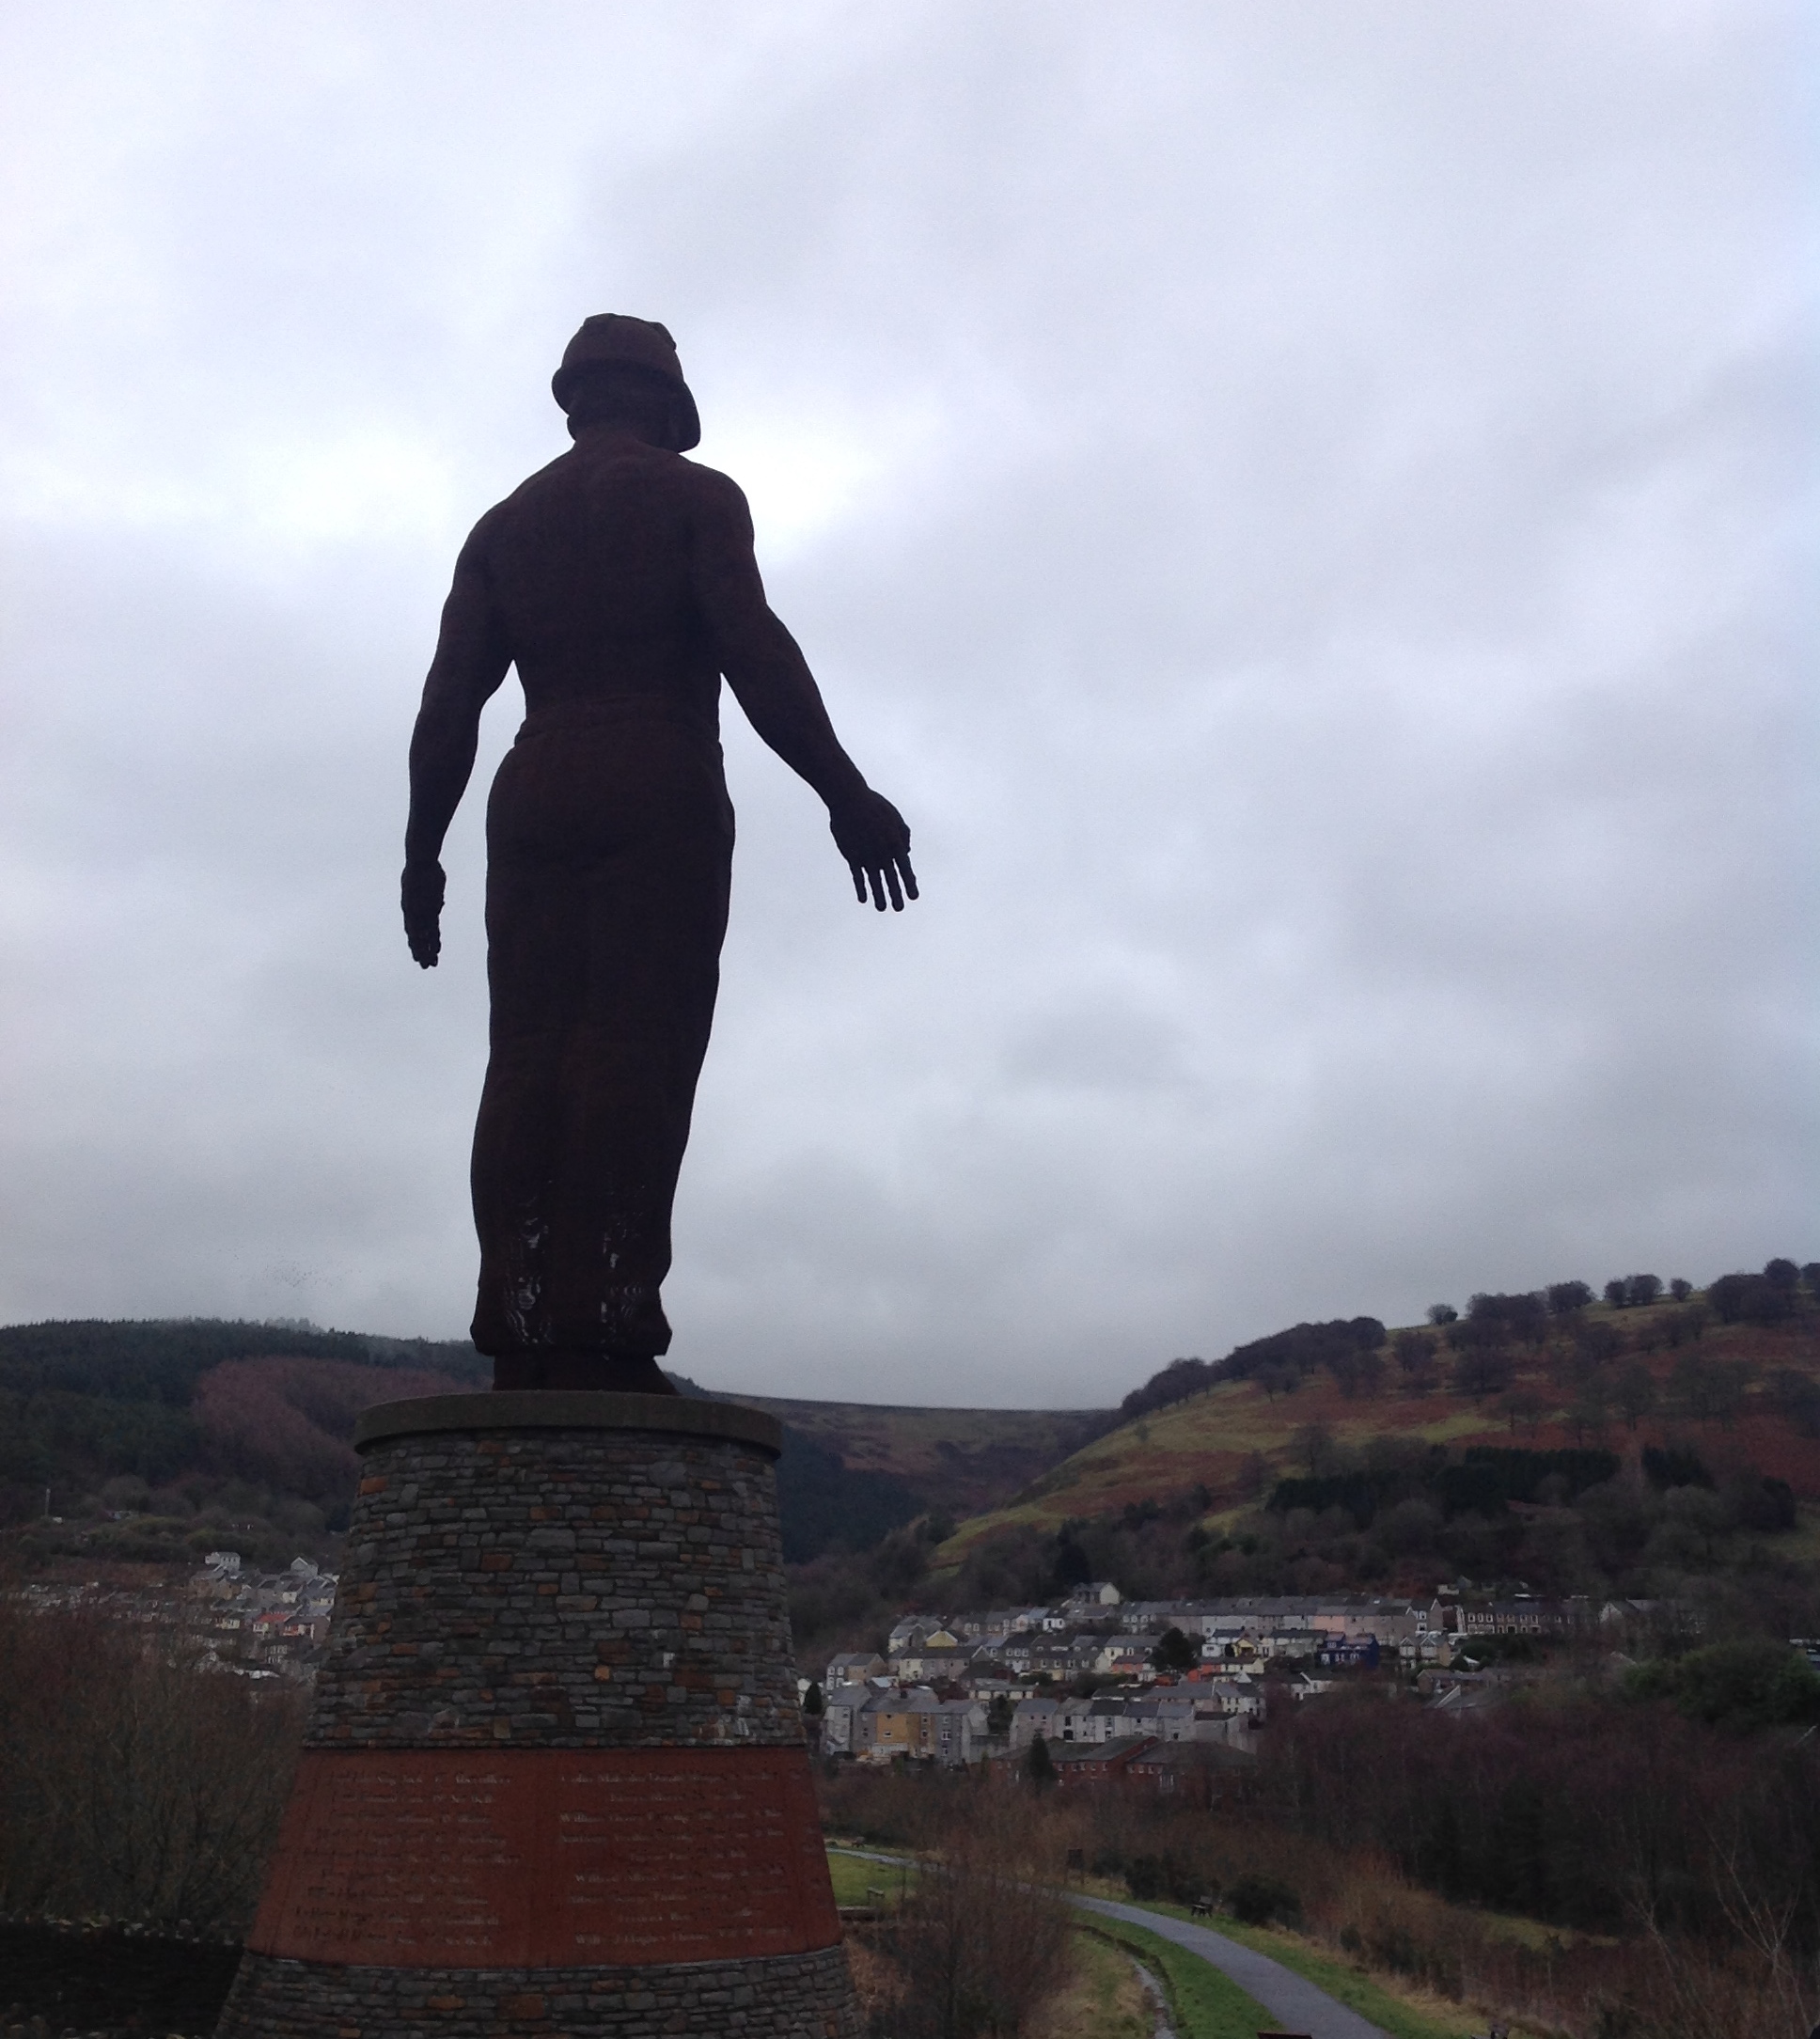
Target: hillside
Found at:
x=1176, y=1494
x=155, y=1440
x=959, y=1462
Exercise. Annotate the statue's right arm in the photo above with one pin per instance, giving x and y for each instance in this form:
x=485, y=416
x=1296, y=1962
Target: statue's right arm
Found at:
x=472, y=658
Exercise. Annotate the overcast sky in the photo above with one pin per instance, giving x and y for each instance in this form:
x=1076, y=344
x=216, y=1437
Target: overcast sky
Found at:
x=1302, y=505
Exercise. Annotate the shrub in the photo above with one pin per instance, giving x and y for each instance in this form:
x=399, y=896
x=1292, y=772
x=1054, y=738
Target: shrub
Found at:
x=980, y=1947
x=1753, y=1683
x=1256, y=1900
x=1673, y=1466
x=1751, y=1299
x=138, y=1785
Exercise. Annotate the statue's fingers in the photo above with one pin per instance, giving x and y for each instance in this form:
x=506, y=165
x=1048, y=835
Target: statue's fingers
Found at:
x=892, y=880
x=877, y=877
x=909, y=875
x=857, y=872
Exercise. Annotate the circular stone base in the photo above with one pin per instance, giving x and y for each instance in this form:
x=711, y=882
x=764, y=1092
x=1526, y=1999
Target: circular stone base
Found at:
x=554, y=1781
x=786, y=1997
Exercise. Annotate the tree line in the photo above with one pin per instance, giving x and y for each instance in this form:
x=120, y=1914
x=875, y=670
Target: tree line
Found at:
x=1482, y=1343
x=1676, y=1857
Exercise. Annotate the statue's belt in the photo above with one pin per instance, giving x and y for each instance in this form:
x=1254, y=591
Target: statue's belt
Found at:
x=564, y=717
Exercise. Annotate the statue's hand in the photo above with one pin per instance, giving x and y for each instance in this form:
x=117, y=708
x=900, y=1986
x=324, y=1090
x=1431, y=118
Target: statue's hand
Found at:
x=872, y=835
x=422, y=894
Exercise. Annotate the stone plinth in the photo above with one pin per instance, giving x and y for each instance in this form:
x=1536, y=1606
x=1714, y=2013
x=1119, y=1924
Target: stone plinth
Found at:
x=555, y=1780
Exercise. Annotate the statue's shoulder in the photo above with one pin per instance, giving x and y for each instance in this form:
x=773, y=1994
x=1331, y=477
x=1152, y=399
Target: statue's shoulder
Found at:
x=576, y=486
x=717, y=495
x=710, y=481
x=554, y=475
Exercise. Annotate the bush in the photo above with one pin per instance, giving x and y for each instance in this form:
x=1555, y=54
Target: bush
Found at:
x=1414, y=1352
x=1764, y=1504
x=1754, y=1683
x=1174, y=1652
x=1180, y=1379
x=1257, y=1901
x=1751, y=1299
x=1524, y=1315
x=1673, y=1466
x=1796, y=1396
x=138, y=1785
x=1169, y=1875
x=980, y=1947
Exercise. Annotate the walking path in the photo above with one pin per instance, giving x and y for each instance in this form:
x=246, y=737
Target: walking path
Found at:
x=1295, y=2003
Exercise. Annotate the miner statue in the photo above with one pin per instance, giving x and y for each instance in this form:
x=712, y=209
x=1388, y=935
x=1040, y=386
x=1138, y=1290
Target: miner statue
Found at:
x=620, y=582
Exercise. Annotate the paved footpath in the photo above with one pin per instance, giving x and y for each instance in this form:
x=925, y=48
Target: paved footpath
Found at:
x=1293, y=2001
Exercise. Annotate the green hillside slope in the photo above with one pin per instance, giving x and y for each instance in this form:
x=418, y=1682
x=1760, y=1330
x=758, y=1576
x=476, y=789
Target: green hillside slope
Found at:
x=960, y=1462
x=1328, y=1481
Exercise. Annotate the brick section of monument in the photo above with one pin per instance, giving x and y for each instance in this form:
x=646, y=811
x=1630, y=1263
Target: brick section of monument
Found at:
x=563, y=1588
x=548, y=1856
x=555, y=1780
x=790, y=1996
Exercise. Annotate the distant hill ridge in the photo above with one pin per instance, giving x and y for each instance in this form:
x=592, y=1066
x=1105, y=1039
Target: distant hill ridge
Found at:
x=1523, y=1440
x=198, y=1431
x=1342, y=1344
x=183, y=1428
x=160, y=1359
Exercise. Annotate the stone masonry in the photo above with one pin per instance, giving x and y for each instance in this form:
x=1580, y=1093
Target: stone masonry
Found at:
x=786, y=1998
x=578, y=1589
x=556, y=1719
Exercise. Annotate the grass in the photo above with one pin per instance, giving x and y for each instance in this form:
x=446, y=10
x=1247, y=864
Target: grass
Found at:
x=1203, y=2004
x=1208, y=2005
x=1801, y=1544
x=1104, y=1999
x=1359, y=1992
x=854, y=1879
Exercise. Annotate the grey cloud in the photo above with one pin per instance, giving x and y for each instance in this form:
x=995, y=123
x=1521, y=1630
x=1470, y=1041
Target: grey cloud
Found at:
x=1297, y=508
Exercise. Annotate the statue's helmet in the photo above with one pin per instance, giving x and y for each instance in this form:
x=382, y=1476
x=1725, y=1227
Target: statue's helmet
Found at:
x=609, y=338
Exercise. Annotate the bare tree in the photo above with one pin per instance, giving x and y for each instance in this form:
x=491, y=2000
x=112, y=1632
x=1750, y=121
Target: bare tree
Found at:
x=983, y=1943
x=138, y=1784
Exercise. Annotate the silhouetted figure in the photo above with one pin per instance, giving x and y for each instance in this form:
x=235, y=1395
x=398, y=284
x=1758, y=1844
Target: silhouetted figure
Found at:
x=621, y=581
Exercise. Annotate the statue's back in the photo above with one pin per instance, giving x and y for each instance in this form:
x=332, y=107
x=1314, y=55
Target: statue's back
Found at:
x=590, y=563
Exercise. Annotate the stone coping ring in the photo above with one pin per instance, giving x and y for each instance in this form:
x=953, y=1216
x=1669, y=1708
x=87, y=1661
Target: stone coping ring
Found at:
x=546, y=1408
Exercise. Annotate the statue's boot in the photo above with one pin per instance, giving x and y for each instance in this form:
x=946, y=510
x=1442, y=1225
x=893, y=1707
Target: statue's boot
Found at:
x=614, y=1373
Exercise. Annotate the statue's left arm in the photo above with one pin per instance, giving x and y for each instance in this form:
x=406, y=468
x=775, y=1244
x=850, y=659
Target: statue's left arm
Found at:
x=472, y=658
x=771, y=680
